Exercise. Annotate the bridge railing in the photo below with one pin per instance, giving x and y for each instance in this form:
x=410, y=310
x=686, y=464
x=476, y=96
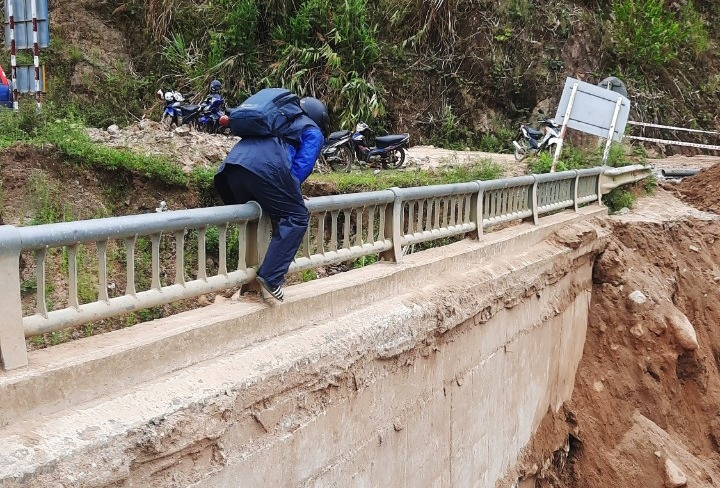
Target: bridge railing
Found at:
x=342, y=228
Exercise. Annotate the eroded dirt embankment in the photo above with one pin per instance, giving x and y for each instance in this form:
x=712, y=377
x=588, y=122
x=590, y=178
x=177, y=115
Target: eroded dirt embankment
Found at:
x=645, y=411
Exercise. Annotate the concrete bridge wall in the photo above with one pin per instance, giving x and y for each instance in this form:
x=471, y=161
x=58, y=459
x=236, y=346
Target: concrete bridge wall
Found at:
x=434, y=373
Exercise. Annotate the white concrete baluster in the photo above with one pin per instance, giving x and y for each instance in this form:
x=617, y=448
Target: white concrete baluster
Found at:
x=41, y=305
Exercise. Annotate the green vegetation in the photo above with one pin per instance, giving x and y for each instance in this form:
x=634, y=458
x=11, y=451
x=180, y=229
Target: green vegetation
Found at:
x=575, y=158
x=366, y=180
x=363, y=261
x=28, y=286
x=308, y=275
x=619, y=198
x=68, y=135
x=42, y=199
x=647, y=34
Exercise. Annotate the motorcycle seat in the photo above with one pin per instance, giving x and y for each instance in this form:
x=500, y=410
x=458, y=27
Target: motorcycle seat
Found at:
x=387, y=141
x=190, y=108
x=338, y=135
x=534, y=133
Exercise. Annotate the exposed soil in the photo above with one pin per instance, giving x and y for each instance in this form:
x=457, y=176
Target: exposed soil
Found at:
x=76, y=192
x=702, y=190
x=37, y=183
x=647, y=393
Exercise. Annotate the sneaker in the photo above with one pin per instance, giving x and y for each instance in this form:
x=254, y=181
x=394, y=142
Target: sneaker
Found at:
x=276, y=293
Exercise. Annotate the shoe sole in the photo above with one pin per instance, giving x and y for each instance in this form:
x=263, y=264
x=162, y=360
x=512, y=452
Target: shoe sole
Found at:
x=272, y=293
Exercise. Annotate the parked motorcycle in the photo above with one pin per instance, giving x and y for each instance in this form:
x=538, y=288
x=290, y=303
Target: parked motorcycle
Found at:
x=176, y=112
x=532, y=141
x=339, y=151
x=204, y=117
x=210, y=111
x=389, y=150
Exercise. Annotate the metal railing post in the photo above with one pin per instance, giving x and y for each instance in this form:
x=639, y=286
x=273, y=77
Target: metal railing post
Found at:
x=263, y=232
x=393, y=227
x=576, y=183
x=253, y=244
x=599, y=186
x=536, y=216
x=476, y=210
x=13, y=352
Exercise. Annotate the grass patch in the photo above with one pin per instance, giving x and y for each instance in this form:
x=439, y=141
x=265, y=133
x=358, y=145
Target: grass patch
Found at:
x=619, y=198
x=69, y=136
x=576, y=158
x=648, y=34
x=43, y=202
x=366, y=180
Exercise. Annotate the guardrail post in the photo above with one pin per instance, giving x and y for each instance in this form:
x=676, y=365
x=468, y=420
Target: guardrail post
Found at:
x=575, y=190
x=263, y=234
x=536, y=217
x=252, y=243
x=13, y=352
x=476, y=210
x=599, y=185
x=393, y=227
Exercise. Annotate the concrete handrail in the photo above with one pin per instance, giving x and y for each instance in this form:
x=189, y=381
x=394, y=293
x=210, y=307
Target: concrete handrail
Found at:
x=342, y=228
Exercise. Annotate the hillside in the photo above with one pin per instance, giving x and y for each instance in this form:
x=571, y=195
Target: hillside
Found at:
x=455, y=72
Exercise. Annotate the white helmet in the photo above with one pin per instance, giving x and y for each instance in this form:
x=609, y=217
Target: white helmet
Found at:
x=178, y=96
x=168, y=96
x=361, y=127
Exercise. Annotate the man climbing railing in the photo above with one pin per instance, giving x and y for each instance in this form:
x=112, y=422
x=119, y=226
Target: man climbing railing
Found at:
x=343, y=228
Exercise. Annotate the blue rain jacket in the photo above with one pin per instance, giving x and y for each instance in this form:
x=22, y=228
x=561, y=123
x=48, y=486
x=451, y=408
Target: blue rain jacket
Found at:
x=297, y=151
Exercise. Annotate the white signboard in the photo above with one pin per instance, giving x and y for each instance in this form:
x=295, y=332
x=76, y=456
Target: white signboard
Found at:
x=593, y=110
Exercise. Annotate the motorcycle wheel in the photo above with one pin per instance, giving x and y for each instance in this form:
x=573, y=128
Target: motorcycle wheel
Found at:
x=522, y=151
x=321, y=165
x=342, y=161
x=166, y=121
x=395, y=160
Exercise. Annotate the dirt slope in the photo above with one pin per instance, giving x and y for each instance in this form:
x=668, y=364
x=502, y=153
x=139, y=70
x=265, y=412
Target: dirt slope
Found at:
x=647, y=393
x=703, y=189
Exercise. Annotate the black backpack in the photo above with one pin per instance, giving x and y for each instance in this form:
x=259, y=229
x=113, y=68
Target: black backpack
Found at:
x=267, y=113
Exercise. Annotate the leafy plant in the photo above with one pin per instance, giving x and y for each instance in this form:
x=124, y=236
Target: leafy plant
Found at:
x=619, y=198
x=645, y=33
x=43, y=199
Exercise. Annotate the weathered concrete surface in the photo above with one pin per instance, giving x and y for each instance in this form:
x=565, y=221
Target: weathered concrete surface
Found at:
x=437, y=384
x=80, y=371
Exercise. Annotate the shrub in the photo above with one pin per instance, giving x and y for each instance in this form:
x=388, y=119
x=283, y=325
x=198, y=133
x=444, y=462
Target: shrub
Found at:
x=619, y=198
x=645, y=33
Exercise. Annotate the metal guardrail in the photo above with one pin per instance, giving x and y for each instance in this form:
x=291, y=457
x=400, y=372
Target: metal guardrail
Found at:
x=624, y=175
x=342, y=228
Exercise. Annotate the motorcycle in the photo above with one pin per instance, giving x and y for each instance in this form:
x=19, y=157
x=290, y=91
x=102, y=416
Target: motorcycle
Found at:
x=210, y=111
x=339, y=151
x=532, y=141
x=389, y=150
x=176, y=113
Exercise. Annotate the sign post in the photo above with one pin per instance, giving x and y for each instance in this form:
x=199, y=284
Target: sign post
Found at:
x=558, y=147
x=13, y=59
x=27, y=27
x=594, y=110
x=36, y=53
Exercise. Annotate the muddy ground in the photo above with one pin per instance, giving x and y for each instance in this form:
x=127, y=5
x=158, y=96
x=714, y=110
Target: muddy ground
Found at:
x=645, y=411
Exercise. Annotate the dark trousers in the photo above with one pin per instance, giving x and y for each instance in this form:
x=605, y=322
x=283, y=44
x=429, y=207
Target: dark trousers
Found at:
x=280, y=199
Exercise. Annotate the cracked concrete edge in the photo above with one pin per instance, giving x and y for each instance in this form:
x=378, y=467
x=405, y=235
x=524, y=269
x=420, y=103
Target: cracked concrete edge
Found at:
x=63, y=443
